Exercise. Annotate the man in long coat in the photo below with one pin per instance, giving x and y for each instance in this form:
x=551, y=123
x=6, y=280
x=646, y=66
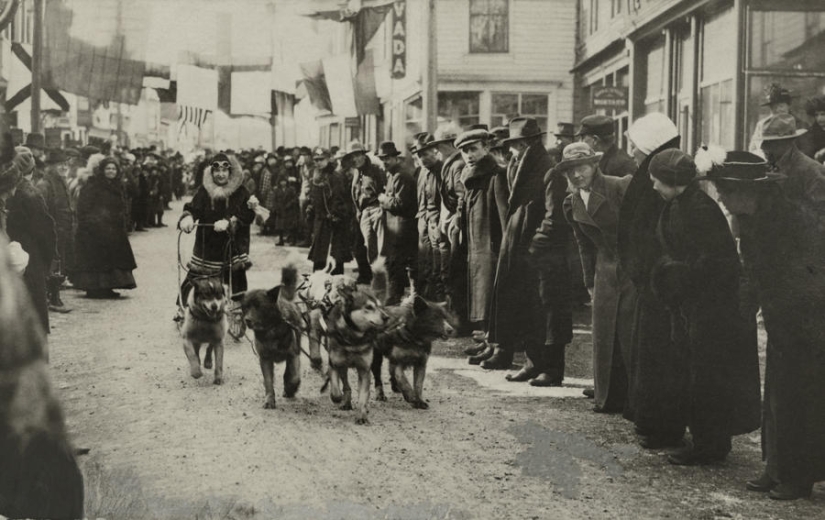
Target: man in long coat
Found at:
x=698, y=279
x=55, y=190
x=368, y=181
x=478, y=219
x=329, y=211
x=593, y=211
x=29, y=224
x=433, y=248
x=783, y=247
x=657, y=382
x=400, y=235
x=517, y=318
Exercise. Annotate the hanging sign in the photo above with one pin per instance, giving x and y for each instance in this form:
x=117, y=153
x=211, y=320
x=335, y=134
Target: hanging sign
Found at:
x=399, y=39
x=609, y=97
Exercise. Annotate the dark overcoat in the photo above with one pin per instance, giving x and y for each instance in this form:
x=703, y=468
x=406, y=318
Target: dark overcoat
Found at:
x=102, y=242
x=330, y=211
x=400, y=205
x=29, y=224
x=55, y=191
x=285, y=207
x=783, y=248
x=698, y=279
x=656, y=379
x=616, y=162
x=485, y=189
x=516, y=313
x=614, y=296
x=805, y=183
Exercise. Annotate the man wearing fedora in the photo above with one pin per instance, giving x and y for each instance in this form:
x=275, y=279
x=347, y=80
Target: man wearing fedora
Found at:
x=433, y=248
x=599, y=133
x=517, y=319
x=55, y=190
x=565, y=134
x=697, y=278
x=593, y=211
x=36, y=142
x=367, y=182
x=400, y=234
x=783, y=253
x=805, y=183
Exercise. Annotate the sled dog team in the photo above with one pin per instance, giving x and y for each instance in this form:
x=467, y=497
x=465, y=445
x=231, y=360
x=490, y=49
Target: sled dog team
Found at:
x=359, y=331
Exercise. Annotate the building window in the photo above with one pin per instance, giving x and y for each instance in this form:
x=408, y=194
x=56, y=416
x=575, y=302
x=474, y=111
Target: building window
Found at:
x=594, y=16
x=461, y=108
x=718, y=67
x=787, y=40
x=413, y=118
x=616, y=7
x=489, y=26
x=506, y=106
x=655, y=77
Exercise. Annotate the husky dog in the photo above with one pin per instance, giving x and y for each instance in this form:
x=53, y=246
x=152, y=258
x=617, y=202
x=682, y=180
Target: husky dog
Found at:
x=205, y=322
x=276, y=322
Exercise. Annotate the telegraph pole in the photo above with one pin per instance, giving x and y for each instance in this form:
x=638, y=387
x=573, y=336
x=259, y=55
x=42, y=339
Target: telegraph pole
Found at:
x=430, y=72
x=37, y=53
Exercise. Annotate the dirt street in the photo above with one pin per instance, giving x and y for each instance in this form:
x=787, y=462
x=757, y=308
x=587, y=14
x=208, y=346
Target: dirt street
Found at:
x=165, y=446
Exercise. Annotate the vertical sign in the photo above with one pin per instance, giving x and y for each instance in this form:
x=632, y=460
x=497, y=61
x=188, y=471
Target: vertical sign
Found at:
x=399, y=39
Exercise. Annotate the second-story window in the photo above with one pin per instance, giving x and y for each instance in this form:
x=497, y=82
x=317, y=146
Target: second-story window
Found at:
x=489, y=26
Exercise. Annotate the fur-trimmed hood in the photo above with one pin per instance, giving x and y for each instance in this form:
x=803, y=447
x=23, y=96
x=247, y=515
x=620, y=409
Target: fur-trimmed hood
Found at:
x=223, y=192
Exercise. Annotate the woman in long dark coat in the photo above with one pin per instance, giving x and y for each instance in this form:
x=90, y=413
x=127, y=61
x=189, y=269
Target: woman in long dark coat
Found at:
x=657, y=380
x=698, y=278
x=329, y=212
x=104, y=256
x=783, y=247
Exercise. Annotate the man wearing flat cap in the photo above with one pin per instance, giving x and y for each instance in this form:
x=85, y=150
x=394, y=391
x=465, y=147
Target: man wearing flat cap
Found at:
x=455, y=270
x=433, y=247
x=478, y=219
x=367, y=182
x=55, y=190
x=598, y=132
x=400, y=235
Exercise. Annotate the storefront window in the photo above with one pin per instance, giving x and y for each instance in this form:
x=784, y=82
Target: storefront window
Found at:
x=413, y=118
x=506, y=106
x=718, y=68
x=461, y=108
x=656, y=76
x=784, y=40
x=801, y=88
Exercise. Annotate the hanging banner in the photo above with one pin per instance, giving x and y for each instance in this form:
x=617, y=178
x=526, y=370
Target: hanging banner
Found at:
x=399, y=39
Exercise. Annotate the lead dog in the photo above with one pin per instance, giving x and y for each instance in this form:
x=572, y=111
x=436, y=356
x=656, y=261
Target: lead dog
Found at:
x=205, y=322
x=407, y=343
x=276, y=322
x=351, y=327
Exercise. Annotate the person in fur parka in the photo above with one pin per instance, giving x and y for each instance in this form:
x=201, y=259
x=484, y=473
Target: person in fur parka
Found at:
x=222, y=208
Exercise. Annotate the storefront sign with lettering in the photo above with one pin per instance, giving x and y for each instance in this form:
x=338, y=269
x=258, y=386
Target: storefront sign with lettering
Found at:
x=399, y=39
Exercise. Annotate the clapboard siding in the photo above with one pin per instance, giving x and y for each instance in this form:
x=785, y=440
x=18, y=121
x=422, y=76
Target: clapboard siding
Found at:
x=541, y=47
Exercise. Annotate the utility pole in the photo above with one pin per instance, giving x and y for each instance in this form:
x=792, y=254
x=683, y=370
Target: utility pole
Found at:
x=37, y=54
x=122, y=40
x=430, y=72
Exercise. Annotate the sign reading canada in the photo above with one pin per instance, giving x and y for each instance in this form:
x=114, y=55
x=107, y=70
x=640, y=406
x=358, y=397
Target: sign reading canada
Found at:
x=399, y=39
x=609, y=97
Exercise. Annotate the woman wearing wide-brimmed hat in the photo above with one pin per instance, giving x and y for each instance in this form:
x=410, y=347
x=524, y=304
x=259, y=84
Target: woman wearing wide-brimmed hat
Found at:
x=783, y=248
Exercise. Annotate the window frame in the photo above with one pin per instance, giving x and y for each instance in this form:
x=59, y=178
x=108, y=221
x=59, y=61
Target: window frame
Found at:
x=507, y=24
x=520, y=100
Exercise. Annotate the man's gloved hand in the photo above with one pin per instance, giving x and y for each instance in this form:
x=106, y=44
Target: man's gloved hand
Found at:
x=187, y=224
x=221, y=225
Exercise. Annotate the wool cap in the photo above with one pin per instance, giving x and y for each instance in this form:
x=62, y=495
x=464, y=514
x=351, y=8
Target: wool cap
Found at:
x=471, y=136
x=673, y=167
x=650, y=132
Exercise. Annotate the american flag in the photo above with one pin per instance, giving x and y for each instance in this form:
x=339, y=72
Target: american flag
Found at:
x=194, y=115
